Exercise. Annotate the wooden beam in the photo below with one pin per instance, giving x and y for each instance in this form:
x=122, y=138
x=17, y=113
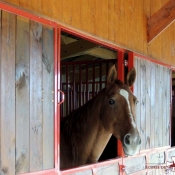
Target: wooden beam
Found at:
x=98, y=52
x=67, y=40
x=76, y=47
x=80, y=58
x=102, y=53
x=173, y=76
x=161, y=20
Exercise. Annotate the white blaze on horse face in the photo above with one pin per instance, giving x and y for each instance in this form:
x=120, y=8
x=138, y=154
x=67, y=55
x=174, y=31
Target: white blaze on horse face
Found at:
x=125, y=94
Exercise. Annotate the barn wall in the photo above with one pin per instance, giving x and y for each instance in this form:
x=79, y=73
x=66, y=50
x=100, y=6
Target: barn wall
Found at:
x=152, y=88
x=26, y=95
x=121, y=22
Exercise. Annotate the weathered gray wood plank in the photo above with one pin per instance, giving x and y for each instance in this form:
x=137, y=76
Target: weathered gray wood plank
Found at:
x=137, y=92
x=157, y=107
x=48, y=97
x=22, y=95
x=143, y=103
x=157, y=158
x=112, y=169
x=170, y=154
x=135, y=164
x=168, y=73
x=36, y=120
x=164, y=105
x=160, y=107
x=86, y=172
x=153, y=103
x=7, y=94
x=148, y=103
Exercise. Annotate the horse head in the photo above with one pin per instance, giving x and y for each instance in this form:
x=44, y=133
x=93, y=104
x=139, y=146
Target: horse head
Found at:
x=118, y=111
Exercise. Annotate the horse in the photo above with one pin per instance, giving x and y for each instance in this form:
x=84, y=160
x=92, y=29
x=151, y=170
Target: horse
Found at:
x=85, y=132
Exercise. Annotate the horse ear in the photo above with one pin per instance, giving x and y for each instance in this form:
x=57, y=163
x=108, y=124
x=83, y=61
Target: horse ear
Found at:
x=112, y=74
x=131, y=76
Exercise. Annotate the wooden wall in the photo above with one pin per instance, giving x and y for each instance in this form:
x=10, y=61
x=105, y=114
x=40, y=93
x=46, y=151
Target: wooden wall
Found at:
x=121, y=22
x=152, y=88
x=26, y=94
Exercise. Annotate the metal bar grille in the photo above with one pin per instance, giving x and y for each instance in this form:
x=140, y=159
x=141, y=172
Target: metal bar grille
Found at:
x=81, y=81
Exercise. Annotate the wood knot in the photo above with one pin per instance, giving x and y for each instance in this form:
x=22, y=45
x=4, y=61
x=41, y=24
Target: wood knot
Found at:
x=4, y=171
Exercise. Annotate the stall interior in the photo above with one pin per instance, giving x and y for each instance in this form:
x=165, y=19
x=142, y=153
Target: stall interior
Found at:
x=84, y=66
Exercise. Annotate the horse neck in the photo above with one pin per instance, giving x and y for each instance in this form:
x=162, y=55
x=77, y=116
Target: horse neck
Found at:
x=94, y=137
x=91, y=137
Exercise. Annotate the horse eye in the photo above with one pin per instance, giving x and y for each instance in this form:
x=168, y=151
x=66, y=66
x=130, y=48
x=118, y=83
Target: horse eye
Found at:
x=111, y=101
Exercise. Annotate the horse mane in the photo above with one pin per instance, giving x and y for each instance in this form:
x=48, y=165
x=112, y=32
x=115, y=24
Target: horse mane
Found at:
x=73, y=125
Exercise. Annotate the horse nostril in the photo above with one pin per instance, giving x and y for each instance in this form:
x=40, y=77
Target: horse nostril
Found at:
x=127, y=139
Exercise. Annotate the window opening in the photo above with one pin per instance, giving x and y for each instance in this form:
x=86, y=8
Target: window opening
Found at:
x=84, y=66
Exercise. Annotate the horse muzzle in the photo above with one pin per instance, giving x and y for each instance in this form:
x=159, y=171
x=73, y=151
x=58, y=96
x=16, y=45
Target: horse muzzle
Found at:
x=131, y=144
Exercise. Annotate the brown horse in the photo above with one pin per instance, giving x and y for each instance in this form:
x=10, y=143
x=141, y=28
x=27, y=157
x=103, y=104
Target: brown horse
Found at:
x=87, y=130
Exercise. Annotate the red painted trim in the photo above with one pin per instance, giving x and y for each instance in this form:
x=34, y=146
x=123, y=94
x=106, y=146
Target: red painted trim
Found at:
x=56, y=124
x=88, y=167
x=130, y=60
x=141, y=172
x=17, y=11
x=119, y=149
x=120, y=65
x=170, y=149
x=45, y=172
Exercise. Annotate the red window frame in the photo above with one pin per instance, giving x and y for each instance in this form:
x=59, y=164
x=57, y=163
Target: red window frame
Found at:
x=57, y=33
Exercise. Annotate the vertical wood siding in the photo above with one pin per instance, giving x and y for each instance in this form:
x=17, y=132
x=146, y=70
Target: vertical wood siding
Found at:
x=153, y=104
x=48, y=97
x=22, y=95
x=7, y=94
x=152, y=89
x=36, y=124
x=26, y=95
